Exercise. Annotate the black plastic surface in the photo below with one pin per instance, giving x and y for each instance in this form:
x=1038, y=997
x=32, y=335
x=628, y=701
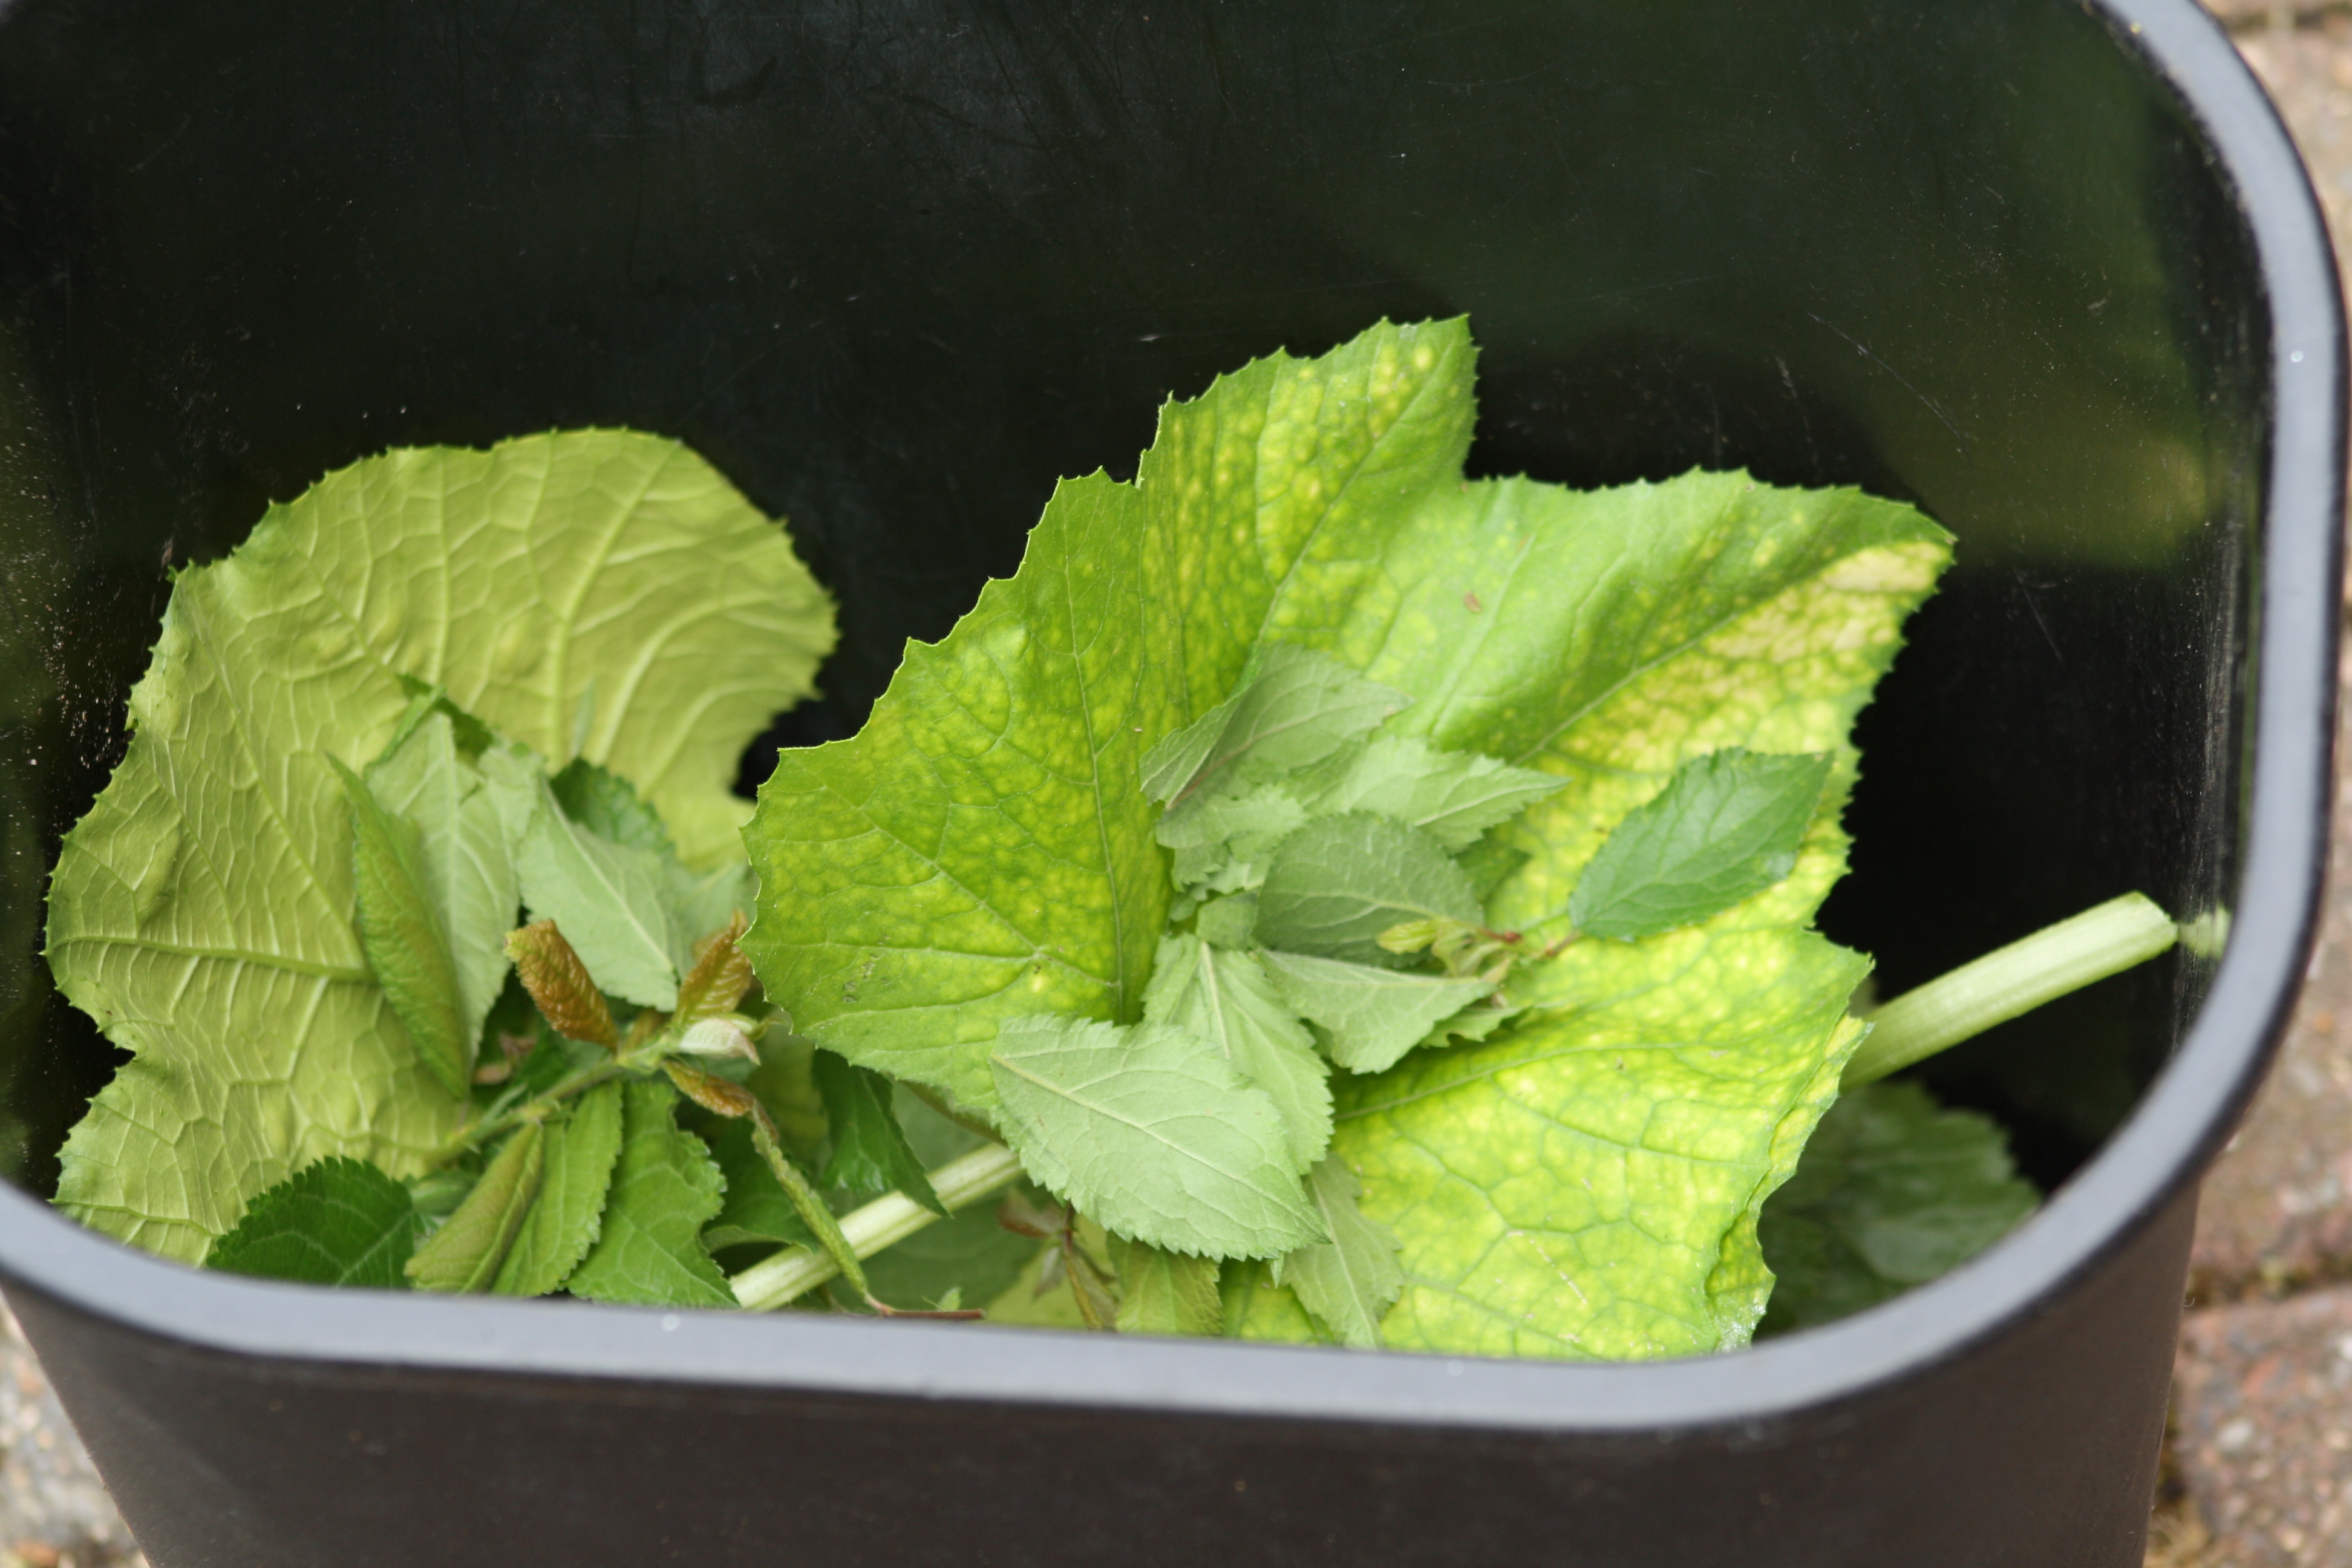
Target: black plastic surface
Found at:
x=2048, y=269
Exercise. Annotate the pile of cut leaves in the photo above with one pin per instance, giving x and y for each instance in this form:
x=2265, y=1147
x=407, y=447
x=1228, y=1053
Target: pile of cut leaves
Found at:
x=1339, y=900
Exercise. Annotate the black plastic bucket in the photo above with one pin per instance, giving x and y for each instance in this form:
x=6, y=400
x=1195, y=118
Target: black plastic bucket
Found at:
x=2049, y=269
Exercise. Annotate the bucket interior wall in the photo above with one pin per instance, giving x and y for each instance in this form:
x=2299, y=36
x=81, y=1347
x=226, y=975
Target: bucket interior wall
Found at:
x=896, y=268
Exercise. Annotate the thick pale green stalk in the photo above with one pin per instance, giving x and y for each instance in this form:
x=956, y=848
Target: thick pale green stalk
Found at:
x=886, y=1221
x=2008, y=982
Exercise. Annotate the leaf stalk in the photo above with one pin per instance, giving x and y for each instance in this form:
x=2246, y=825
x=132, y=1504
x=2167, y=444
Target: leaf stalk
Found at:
x=2008, y=981
x=887, y=1220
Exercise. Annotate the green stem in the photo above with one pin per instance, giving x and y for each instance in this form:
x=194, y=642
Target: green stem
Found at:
x=887, y=1220
x=489, y=1127
x=2008, y=982
x=809, y=1207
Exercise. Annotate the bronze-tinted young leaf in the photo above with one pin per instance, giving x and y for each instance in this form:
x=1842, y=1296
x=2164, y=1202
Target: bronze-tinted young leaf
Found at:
x=720, y=1095
x=465, y=1253
x=870, y=1152
x=720, y=975
x=334, y=1221
x=406, y=949
x=577, y=1174
x=1726, y=827
x=560, y=984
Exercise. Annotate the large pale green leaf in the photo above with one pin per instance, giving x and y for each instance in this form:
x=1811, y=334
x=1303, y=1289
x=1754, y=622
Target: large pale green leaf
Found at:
x=1586, y=1184
x=983, y=849
x=1548, y=1201
x=978, y=853
x=573, y=590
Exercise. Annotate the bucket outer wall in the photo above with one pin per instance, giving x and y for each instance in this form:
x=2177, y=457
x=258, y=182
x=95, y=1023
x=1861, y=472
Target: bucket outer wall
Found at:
x=222, y=1459
x=2049, y=269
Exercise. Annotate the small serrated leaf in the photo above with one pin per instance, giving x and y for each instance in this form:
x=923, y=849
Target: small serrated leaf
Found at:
x=1165, y=1292
x=608, y=805
x=465, y=1253
x=1489, y=862
x=1226, y=999
x=1726, y=827
x=1153, y=1133
x=465, y=859
x=665, y=1189
x=336, y=1221
x=1338, y=883
x=1293, y=708
x=1472, y=1024
x=1237, y=825
x=702, y=904
x=406, y=949
x=870, y=1152
x=1350, y=1281
x=1228, y=921
x=1369, y=1017
x=1453, y=797
x=610, y=899
x=576, y=1175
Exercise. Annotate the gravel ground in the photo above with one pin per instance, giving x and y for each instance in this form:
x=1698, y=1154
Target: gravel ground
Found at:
x=2260, y=1474
x=2260, y=1471
x=54, y=1510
